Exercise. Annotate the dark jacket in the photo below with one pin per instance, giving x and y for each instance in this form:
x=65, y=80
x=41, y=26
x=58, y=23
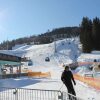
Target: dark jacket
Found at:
x=67, y=77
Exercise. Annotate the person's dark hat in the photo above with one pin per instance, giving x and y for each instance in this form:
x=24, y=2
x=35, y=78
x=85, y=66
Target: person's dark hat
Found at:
x=66, y=67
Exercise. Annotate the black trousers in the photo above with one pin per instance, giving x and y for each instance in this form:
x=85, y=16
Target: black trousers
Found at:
x=71, y=91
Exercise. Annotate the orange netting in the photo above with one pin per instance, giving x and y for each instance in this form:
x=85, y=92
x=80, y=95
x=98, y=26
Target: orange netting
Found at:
x=84, y=63
x=26, y=70
x=39, y=74
x=94, y=82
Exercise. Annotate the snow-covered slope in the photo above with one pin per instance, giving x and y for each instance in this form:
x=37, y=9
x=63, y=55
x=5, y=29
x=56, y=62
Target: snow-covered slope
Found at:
x=67, y=51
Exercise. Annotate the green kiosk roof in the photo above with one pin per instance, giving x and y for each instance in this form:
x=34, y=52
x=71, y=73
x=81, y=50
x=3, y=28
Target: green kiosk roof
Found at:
x=2, y=62
x=6, y=59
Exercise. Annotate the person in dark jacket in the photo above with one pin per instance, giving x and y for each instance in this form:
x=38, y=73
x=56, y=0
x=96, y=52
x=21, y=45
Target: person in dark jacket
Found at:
x=67, y=78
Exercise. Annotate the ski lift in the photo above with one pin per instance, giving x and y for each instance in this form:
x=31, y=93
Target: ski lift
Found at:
x=47, y=59
x=30, y=63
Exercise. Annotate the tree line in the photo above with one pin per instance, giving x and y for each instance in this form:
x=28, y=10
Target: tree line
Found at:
x=90, y=34
x=44, y=38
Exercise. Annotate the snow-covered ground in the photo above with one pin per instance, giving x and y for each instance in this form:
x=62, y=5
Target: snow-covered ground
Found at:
x=82, y=90
x=67, y=51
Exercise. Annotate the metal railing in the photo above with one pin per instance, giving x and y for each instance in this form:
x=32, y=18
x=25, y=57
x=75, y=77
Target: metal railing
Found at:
x=28, y=94
x=34, y=94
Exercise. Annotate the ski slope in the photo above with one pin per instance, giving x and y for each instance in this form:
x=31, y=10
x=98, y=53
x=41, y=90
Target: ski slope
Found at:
x=67, y=51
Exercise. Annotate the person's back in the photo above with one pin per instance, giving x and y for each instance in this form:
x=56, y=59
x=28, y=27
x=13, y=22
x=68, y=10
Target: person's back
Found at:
x=66, y=77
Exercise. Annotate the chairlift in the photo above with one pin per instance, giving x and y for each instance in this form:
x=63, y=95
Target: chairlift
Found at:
x=47, y=59
x=30, y=63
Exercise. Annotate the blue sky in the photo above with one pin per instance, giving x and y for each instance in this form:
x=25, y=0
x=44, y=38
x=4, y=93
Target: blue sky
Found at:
x=20, y=18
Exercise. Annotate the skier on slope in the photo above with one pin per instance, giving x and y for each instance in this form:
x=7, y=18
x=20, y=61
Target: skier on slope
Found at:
x=67, y=78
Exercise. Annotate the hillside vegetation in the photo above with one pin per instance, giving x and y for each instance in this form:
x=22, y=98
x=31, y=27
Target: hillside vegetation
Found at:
x=47, y=37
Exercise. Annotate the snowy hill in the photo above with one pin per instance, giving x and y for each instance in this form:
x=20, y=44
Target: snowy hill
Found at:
x=66, y=50
x=59, y=52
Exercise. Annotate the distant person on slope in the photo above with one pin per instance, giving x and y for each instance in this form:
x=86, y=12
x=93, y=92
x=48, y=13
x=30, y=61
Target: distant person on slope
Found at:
x=95, y=63
x=67, y=78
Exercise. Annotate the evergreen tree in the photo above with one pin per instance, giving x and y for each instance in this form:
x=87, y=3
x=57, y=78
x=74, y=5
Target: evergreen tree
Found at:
x=96, y=33
x=86, y=34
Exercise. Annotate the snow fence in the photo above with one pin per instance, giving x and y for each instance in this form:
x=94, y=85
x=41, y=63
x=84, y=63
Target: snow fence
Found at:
x=91, y=81
x=39, y=74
